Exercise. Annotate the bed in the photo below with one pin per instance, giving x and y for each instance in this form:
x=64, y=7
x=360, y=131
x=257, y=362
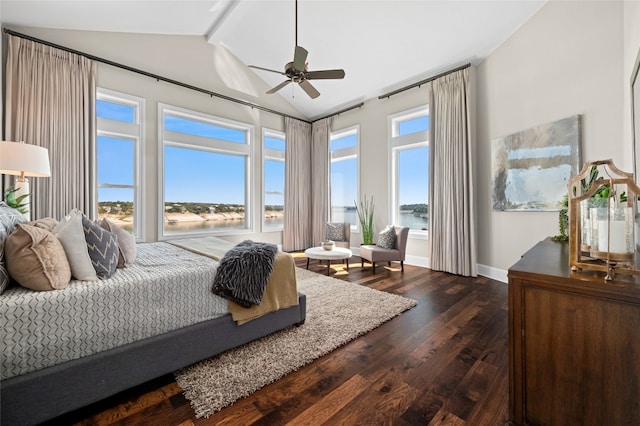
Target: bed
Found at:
x=92, y=340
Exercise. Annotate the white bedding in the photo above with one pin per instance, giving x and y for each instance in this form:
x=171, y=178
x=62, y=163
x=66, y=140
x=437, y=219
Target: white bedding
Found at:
x=166, y=289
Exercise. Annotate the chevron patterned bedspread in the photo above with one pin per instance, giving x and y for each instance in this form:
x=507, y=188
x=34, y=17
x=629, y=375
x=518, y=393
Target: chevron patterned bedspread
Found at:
x=166, y=289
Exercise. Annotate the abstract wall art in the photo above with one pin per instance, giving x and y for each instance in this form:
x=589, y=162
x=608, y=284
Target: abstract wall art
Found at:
x=531, y=169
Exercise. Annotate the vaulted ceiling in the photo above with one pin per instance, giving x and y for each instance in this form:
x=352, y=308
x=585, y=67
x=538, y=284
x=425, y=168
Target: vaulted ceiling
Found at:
x=381, y=44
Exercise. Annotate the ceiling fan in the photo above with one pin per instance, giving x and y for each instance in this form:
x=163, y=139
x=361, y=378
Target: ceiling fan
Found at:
x=297, y=71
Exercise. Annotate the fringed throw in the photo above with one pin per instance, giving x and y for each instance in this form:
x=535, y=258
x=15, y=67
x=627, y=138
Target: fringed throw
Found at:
x=244, y=271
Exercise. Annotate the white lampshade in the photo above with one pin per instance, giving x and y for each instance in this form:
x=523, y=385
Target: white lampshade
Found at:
x=22, y=159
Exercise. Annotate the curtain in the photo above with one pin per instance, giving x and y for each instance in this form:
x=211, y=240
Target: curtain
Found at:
x=296, y=234
x=50, y=102
x=452, y=228
x=319, y=180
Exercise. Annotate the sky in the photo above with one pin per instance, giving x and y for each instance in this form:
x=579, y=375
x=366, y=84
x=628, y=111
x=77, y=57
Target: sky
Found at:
x=207, y=177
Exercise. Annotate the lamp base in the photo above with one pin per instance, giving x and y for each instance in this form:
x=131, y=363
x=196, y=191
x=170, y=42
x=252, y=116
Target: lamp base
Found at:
x=22, y=188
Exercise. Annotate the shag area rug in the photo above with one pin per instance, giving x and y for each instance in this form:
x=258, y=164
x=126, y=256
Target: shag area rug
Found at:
x=337, y=312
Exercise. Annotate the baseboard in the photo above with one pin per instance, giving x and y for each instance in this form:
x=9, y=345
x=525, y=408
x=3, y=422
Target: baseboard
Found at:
x=418, y=261
x=424, y=262
x=493, y=273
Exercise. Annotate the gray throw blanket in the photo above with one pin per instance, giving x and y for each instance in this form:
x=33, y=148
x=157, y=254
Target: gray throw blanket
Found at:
x=244, y=271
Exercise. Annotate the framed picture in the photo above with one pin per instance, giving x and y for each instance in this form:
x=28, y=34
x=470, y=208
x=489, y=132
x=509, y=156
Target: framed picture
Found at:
x=635, y=117
x=531, y=169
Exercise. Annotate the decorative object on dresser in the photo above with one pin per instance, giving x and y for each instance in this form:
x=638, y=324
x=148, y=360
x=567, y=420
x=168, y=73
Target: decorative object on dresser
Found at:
x=22, y=159
x=602, y=210
x=574, y=347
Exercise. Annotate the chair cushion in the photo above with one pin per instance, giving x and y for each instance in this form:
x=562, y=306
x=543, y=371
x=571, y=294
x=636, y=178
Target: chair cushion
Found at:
x=335, y=231
x=387, y=238
x=377, y=254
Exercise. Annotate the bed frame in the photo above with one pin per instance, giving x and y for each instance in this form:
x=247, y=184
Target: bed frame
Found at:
x=48, y=393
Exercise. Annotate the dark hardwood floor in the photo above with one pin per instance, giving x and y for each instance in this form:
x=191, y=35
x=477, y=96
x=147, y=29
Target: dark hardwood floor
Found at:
x=444, y=362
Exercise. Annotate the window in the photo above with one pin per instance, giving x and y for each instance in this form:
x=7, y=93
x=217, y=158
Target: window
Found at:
x=273, y=155
x=409, y=144
x=118, y=159
x=205, y=173
x=343, y=146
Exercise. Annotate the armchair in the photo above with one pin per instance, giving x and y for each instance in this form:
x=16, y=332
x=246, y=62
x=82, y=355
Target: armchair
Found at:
x=378, y=254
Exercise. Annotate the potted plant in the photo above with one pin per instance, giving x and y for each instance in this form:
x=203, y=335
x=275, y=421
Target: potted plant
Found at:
x=12, y=201
x=365, y=216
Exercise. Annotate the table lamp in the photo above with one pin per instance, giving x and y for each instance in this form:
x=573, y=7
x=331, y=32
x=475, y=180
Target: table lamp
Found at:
x=21, y=159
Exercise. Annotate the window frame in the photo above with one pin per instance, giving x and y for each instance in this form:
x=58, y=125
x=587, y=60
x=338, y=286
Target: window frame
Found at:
x=208, y=144
x=346, y=154
x=131, y=131
x=271, y=155
x=399, y=143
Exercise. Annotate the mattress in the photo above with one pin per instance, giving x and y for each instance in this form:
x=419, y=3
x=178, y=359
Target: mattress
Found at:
x=166, y=289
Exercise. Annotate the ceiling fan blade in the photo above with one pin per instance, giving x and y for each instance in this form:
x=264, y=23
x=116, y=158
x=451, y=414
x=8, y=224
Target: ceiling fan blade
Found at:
x=299, y=58
x=309, y=89
x=278, y=87
x=324, y=74
x=265, y=69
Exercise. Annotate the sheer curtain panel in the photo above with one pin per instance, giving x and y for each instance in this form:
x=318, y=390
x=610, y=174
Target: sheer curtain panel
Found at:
x=452, y=228
x=50, y=102
x=296, y=234
x=320, y=180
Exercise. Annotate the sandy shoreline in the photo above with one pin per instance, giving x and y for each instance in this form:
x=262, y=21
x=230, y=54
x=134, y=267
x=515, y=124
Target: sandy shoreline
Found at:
x=191, y=217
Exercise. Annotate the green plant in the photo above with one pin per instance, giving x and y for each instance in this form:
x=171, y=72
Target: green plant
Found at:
x=15, y=202
x=563, y=220
x=365, y=216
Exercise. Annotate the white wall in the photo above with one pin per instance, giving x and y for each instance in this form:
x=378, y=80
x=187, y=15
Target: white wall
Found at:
x=566, y=60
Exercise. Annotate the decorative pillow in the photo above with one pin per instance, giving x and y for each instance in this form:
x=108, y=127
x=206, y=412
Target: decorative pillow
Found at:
x=126, y=243
x=9, y=218
x=47, y=223
x=387, y=238
x=244, y=271
x=335, y=231
x=36, y=259
x=70, y=233
x=102, y=246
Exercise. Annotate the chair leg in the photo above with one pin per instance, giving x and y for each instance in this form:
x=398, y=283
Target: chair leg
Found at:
x=374, y=266
x=361, y=263
x=402, y=266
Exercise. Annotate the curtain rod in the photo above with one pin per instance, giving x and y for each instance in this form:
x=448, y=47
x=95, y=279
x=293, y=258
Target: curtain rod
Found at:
x=150, y=75
x=421, y=82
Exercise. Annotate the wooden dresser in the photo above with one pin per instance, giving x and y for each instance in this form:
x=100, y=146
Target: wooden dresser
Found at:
x=574, y=343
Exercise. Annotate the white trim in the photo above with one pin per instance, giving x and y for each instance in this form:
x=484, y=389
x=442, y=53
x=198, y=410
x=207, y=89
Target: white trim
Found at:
x=396, y=144
x=270, y=155
x=493, y=273
x=342, y=154
x=196, y=142
x=132, y=131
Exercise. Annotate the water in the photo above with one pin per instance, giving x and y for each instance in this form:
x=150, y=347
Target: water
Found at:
x=406, y=219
